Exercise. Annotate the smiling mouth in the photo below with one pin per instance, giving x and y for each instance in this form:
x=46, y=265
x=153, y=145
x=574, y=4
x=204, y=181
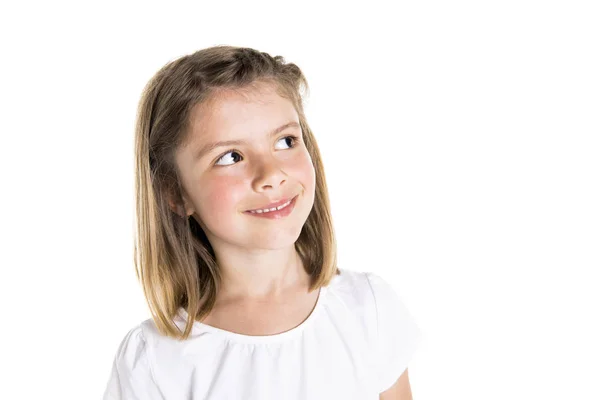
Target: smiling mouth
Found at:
x=273, y=209
x=278, y=205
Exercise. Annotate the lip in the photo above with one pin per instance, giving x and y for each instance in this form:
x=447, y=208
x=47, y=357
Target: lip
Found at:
x=276, y=204
x=284, y=212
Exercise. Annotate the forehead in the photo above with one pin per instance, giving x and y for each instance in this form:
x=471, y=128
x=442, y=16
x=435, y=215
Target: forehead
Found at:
x=240, y=113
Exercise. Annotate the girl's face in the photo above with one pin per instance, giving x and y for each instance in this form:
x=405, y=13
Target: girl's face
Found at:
x=269, y=163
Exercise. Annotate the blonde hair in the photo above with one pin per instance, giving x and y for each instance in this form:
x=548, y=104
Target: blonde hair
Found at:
x=174, y=261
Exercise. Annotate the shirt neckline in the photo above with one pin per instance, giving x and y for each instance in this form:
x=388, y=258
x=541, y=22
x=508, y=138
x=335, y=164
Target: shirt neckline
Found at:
x=200, y=327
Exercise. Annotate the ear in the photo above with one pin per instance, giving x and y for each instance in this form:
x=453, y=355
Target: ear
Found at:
x=183, y=210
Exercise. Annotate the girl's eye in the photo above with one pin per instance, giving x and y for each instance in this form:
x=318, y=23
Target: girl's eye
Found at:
x=293, y=143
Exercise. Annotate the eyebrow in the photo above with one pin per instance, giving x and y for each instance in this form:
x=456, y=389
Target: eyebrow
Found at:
x=207, y=148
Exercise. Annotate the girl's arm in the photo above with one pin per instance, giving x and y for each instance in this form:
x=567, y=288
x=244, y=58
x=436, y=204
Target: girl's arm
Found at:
x=400, y=390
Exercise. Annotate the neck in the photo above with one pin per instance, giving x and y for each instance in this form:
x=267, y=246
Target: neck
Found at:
x=263, y=276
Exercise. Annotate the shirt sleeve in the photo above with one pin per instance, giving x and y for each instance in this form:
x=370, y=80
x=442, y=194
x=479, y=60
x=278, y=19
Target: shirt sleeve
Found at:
x=131, y=377
x=398, y=335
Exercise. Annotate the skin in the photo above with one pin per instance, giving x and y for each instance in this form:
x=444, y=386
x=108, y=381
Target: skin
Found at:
x=400, y=390
x=256, y=255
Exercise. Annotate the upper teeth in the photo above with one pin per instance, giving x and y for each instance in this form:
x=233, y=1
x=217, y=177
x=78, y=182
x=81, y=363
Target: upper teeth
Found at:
x=272, y=209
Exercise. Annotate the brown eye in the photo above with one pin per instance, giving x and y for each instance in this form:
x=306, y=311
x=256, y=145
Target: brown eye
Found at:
x=224, y=156
x=293, y=140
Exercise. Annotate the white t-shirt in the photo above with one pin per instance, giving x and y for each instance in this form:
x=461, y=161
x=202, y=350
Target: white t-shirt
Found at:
x=355, y=344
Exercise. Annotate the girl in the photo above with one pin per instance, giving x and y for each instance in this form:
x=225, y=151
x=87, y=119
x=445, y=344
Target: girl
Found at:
x=236, y=253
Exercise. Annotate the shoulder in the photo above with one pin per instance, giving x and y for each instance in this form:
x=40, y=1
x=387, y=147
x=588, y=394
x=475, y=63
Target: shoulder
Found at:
x=131, y=375
x=351, y=288
x=132, y=349
x=136, y=353
x=351, y=303
x=350, y=282
x=397, y=334
x=391, y=311
x=382, y=291
x=361, y=289
x=368, y=294
x=132, y=340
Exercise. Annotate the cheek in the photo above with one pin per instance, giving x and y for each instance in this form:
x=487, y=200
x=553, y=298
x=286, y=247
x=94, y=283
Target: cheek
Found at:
x=306, y=171
x=221, y=195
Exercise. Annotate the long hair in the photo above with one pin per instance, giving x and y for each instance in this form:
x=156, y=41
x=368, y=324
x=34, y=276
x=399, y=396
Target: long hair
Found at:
x=175, y=263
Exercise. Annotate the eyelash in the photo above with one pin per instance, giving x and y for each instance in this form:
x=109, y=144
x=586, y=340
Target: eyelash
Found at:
x=295, y=140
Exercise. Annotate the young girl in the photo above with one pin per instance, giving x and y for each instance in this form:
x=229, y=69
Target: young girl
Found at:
x=236, y=253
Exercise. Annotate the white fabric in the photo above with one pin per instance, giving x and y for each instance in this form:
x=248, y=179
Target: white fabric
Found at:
x=354, y=345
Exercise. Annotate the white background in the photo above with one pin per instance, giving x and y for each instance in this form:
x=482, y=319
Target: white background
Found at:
x=461, y=144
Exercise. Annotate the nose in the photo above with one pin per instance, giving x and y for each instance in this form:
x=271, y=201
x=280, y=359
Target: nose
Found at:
x=269, y=175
